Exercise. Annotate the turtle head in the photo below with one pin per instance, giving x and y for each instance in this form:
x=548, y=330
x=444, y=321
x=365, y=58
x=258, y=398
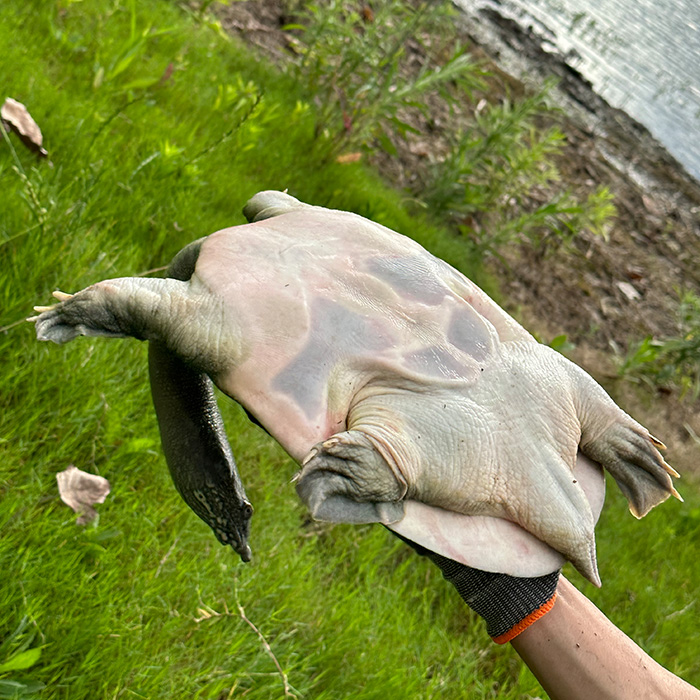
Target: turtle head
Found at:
x=227, y=512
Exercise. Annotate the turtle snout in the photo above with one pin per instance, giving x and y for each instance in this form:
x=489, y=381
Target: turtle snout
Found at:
x=240, y=543
x=243, y=549
x=233, y=531
x=237, y=541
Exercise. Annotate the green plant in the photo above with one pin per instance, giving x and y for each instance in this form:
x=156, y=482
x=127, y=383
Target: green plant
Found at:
x=17, y=655
x=673, y=361
x=354, y=60
x=113, y=63
x=562, y=344
x=501, y=184
x=28, y=192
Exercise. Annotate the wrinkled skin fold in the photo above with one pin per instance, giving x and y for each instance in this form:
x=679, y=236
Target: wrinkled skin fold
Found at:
x=389, y=376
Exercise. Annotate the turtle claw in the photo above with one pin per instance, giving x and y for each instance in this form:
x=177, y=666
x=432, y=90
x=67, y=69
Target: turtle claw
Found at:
x=312, y=453
x=669, y=468
x=657, y=443
x=632, y=457
x=89, y=312
x=666, y=466
x=66, y=320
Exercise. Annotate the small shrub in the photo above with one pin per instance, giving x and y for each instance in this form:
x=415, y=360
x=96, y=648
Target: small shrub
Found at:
x=670, y=362
x=499, y=181
x=501, y=184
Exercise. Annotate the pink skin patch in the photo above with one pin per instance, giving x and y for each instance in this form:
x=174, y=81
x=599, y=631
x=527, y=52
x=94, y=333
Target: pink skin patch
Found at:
x=494, y=544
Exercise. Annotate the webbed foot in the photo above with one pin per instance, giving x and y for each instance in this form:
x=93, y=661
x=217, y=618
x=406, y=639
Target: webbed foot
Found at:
x=632, y=456
x=345, y=479
x=84, y=313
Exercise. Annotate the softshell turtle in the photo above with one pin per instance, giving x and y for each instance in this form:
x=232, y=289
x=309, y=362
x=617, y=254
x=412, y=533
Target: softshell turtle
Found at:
x=407, y=395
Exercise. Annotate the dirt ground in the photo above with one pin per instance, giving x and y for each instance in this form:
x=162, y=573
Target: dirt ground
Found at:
x=605, y=293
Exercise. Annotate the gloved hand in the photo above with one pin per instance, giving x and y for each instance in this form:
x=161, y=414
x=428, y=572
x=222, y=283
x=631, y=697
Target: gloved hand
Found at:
x=508, y=604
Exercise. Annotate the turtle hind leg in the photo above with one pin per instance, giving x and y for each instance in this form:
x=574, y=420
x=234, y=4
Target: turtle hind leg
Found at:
x=621, y=445
x=345, y=479
x=632, y=457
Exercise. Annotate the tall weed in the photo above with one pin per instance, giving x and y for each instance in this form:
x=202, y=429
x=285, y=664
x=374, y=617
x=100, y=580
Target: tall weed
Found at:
x=353, y=60
x=500, y=182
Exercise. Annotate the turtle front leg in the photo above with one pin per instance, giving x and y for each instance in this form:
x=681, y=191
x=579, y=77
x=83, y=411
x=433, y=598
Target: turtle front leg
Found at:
x=127, y=306
x=183, y=315
x=345, y=479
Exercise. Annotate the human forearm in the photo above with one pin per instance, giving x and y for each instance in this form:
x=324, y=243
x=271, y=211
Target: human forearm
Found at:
x=575, y=652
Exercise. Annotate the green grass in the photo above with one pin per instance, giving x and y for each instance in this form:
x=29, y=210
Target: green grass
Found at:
x=145, y=603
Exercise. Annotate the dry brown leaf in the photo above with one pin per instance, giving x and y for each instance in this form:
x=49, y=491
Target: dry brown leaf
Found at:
x=349, y=158
x=81, y=491
x=15, y=117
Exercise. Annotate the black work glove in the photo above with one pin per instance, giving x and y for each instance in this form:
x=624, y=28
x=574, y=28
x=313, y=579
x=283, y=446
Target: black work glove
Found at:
x=508, y=604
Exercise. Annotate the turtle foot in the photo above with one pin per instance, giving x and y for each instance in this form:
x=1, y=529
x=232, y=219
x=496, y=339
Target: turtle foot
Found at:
x=345, y=479
x=83, y=313
x=632, y=456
